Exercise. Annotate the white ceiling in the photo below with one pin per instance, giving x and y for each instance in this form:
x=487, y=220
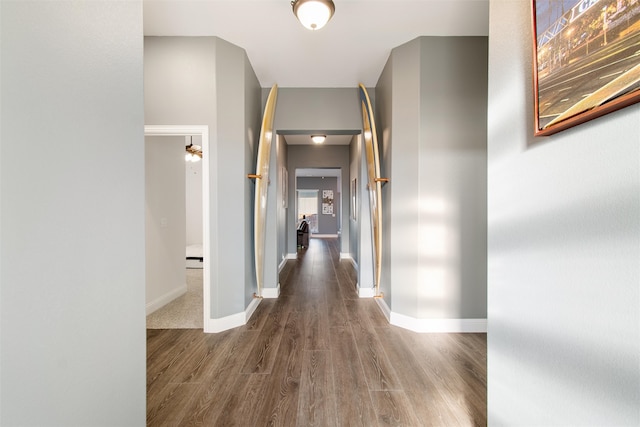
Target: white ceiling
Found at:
x=351, y=49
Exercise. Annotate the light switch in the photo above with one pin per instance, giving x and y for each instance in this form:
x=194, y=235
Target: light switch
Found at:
x=164, y=222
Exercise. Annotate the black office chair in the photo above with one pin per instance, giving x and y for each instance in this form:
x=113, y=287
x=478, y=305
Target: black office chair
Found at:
x=303, y=235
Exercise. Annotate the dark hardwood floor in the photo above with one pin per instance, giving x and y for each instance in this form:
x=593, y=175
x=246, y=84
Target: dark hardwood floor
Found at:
x=316, y=356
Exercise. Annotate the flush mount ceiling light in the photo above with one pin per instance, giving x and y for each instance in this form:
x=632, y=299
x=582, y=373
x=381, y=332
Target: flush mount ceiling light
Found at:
x=318, y=139
x=313, y=14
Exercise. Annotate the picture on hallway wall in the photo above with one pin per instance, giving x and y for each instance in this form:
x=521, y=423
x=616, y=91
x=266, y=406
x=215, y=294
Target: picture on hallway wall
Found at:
x=585, y=61
x=327, y=202
x=353, y=198
x=285, y=188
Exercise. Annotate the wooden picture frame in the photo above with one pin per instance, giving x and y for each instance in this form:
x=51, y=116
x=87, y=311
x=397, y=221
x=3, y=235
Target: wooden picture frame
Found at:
x=585, y=60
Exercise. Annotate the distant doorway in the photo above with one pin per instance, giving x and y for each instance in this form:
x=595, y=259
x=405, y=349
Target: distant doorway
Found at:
x=307, y=203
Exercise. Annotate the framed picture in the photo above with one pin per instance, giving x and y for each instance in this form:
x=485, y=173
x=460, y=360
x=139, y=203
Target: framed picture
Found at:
x=353, y=198
x=285, y=188
x=586, y=61
x=327, y=202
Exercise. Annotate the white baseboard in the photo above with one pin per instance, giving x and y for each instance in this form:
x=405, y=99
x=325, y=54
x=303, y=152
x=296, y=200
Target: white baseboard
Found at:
x=292, y=256
x=384, y=308
x=439, y=325
x=432, y=325
x=366, y=292
x=165, y=299
x=232, y=321
x=323, y=236
x=349, y=257
x=271, y=292
x=282, y=264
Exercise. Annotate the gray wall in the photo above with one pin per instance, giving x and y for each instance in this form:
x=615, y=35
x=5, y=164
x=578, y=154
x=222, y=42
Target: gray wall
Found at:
x=323, y=109
x=432, y=109
x=72, y=225
x=327, y=224
x=208, y=81
x=388, y=91
x=283, y=230
x=564, y=251
x=453, y=173
x=165, y=219
x=355, y=153
x=249, y=132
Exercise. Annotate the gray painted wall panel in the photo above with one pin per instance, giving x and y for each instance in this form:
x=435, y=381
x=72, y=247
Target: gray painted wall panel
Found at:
x=318, y=109
x=453, y=162
x=72, y=255
x=564, y=245
x=433, y=131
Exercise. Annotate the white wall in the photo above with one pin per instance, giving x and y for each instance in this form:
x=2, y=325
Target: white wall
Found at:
x=72, y=248
x=563, y=249
x=165, y=219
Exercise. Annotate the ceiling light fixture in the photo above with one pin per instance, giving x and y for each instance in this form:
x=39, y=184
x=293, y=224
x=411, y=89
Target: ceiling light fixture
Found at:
x=318, y=139
x=313, y=14
x=194, y=152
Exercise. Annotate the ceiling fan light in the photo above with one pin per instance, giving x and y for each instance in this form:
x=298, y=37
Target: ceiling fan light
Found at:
x=318, y=139
x=313, y=14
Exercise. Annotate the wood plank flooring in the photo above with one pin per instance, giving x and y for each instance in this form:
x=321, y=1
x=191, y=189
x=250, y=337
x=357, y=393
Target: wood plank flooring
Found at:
x=316, y=356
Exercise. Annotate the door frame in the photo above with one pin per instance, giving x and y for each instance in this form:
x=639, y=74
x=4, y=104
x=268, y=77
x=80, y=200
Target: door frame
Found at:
x=208, y=220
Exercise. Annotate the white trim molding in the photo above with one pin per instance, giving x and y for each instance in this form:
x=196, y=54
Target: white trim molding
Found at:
x=292, y=256
x=232, y=321
x=384, y=308
x=439, y=325
x=349, y=257
x=432, y=325
x=271, y=292
x=366, y=292
x=165, y=299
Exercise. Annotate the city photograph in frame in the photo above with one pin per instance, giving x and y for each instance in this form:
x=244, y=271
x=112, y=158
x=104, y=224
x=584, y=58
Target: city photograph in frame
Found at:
x=586, y=60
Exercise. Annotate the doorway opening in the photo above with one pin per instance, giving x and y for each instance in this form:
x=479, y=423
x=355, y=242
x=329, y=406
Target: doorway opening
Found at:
x=319, y=198
x=307, y=204
x=202, y=133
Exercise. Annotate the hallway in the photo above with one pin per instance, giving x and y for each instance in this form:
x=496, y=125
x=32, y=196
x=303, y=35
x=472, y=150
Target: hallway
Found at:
x=317, y=355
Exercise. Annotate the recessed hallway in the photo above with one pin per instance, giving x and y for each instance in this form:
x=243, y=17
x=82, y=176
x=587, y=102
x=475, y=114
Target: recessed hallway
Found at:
x=317, y=355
